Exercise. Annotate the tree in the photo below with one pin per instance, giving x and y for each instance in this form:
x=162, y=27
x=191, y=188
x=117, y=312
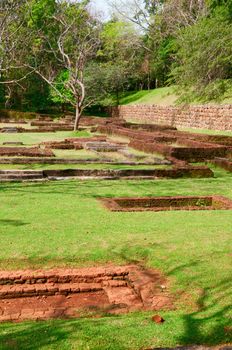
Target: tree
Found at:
x=204, y=57
x=71, y=40
x=119, y=56
x=62, y=37
x=11, y=23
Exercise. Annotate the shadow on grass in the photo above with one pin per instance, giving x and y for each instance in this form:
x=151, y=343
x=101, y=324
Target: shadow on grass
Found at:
x=210, y=314
x=59, y=334
x=95, y=188
x=32, y=335
x=13, y=223
x=129, y=97
x=211, y=323
x=52, y=187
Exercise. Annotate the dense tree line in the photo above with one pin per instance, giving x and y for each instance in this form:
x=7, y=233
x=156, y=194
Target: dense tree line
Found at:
x=57, y=53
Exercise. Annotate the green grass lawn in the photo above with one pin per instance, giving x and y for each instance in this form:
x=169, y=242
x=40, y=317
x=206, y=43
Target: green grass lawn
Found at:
x=208, y=132
x=64, y=224
x=35, y=138
x=164, y=96
x=74, y=154
x=79, y=166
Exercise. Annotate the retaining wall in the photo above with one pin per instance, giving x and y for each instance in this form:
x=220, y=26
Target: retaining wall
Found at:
x=202, y=117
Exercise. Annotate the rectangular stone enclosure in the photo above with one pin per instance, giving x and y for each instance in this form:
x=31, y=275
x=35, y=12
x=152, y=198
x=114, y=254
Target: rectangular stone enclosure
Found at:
x=168, y=203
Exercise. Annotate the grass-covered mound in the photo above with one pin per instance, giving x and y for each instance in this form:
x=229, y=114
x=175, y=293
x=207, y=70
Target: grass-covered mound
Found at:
x=165, y=96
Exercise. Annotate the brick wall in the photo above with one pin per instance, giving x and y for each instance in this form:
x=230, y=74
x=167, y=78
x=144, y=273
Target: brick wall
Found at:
x=203, y=117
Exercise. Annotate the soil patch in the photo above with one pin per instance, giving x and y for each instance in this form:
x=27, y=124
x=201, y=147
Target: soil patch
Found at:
x=74, y=292
x=168, y=203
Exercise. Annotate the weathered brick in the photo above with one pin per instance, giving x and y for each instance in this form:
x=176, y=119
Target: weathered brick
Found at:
x=206, y=116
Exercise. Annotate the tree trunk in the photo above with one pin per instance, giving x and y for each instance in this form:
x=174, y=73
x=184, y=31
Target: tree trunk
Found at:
x=148, y=82
x=117, y=97
x=77, y=118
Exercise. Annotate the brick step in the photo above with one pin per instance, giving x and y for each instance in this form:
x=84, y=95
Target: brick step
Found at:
x=6, y=178
x=21, y=172
x=70, y=276
x=22, y=180
x=20, y=177
x=48, y=289
x=36, y=294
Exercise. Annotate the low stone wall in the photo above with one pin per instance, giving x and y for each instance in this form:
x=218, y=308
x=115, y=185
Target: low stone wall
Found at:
x=203, y=117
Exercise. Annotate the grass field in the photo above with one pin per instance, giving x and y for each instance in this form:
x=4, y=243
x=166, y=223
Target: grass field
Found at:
x=162, y=96
x=35, y=138
x=79, y=166
x=64, y=224
x=208, y=132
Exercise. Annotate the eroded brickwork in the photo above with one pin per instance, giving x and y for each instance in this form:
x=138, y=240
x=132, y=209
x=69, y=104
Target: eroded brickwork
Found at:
x=203, y=117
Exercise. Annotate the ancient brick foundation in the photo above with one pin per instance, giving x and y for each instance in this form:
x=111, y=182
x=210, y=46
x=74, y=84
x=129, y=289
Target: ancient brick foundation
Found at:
x=168, y=203
x=202, y=117
x=25, y=152
x=65, y=293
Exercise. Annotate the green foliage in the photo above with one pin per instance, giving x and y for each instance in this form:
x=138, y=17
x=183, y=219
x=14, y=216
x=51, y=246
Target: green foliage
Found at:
x=60, y=85
x=36, y=95
x=226, y=5
x=41, y=11
x=153, y=6
x=121, y=59
x=204, y=57
x=163, y=59
x=178, y=47
x=117, y=38
x=2, y=94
